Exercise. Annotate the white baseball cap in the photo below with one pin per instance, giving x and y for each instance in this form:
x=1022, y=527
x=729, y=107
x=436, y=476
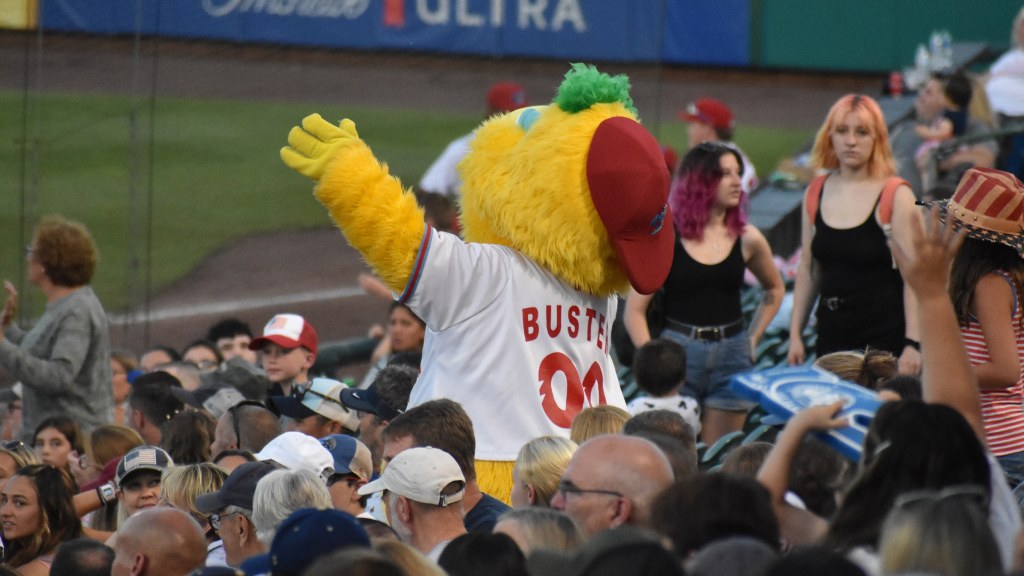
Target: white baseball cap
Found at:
x=298, y=451
x=420, y=474
x=321, y=396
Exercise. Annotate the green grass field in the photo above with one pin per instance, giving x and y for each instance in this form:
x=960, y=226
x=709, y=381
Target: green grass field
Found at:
x=183, y=177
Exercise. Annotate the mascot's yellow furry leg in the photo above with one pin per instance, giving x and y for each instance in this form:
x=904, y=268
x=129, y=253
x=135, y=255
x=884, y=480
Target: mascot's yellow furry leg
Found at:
x=495, y=478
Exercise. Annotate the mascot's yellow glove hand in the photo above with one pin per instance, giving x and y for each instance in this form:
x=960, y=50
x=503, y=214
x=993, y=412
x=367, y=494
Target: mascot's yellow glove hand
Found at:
x=316, y=143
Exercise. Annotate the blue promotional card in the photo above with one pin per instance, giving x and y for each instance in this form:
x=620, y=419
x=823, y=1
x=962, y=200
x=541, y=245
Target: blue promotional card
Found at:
x=783, y=392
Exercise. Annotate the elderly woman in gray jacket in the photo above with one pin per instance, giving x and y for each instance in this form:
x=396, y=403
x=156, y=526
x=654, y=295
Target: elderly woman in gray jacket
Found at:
x=63, y=362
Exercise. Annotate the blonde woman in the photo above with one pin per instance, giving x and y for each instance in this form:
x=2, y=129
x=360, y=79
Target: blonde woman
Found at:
x=181, y=485
x=538, y=470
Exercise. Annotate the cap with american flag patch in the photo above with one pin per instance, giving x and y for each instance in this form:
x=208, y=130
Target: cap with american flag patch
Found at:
x=142, y=458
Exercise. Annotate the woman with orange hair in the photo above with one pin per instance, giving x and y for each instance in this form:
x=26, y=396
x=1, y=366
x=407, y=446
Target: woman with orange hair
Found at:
x=847, y=219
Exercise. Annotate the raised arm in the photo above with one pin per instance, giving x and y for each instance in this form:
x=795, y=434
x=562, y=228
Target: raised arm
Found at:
x=925, y=260
x=798, y=527
x=375, y=214
x=906, y=217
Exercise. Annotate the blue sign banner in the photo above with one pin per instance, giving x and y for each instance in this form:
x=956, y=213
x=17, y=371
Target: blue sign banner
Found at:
x=686, y=31
x=708, y=33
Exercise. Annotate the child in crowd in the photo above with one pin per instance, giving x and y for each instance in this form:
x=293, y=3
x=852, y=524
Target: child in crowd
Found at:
x=986, y=284
x=660, y=371
x=950, y=124
x=287, y=349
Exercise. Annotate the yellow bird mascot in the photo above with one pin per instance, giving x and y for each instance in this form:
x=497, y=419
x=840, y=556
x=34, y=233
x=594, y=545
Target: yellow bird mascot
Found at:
x=563, y=206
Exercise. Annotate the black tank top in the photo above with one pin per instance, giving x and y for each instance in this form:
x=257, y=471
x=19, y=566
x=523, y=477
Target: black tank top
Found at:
x=853, y=261
x=705, y=294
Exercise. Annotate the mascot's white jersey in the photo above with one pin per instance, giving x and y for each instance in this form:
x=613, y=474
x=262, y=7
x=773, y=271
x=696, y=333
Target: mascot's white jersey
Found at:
x=518, y=348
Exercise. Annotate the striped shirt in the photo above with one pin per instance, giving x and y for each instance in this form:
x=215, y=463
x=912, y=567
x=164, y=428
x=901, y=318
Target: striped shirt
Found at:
x=1002, y=409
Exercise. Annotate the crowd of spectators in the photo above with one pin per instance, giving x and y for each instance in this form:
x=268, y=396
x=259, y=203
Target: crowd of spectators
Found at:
x=235, y=455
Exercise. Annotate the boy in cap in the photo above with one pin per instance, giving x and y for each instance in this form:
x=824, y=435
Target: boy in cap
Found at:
x=352, y=470
x=316, y=409
x=287, y=351
x=711, y=120
x=424, y=498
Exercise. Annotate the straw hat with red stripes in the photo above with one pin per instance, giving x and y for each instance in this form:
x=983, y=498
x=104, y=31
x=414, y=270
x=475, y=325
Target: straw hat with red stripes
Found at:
x=990, y=205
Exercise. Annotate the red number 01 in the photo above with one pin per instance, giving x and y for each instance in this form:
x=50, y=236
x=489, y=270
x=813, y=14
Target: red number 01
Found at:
x=576, y=391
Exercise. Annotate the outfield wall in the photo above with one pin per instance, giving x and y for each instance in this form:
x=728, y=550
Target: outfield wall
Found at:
x=867, y=35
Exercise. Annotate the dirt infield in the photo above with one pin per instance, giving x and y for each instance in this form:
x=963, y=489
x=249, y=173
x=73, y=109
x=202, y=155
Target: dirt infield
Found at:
x=234, y=280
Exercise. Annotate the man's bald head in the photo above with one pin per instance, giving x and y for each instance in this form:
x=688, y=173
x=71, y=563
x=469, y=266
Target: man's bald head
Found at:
x=611, y=480
x=159, y=542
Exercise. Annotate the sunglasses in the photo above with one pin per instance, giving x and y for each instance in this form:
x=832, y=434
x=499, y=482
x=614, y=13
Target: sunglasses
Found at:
x=970, y=493
x=14, y=446
x=299, y=392
x=234, y=417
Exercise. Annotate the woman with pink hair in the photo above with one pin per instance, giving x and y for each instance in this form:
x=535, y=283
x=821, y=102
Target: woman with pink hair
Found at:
x=845, y=227
x=701, y=296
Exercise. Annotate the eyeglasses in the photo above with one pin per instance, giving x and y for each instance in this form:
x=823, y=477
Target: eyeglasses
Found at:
x=216, y=517
x=29, y=249
x=971, y=493
x=234, y=418
x=566, y=487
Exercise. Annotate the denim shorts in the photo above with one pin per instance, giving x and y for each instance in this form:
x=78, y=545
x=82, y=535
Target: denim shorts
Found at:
x=1013, y=469
x=710, y=366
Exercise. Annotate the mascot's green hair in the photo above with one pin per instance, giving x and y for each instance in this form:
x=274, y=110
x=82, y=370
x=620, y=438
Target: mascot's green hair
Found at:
x=584, y=86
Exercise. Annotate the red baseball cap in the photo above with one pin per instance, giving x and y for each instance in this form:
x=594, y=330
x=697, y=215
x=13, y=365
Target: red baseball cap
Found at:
x=506, y=97
x=629, y=187
x=287, y=331
x=709, y=111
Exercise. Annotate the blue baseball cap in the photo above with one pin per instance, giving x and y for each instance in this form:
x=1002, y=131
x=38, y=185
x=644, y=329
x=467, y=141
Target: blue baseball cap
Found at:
x=304, y=537
x=369, y=401
x=350, y=455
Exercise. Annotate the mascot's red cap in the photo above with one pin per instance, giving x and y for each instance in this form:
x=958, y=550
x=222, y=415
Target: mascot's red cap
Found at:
x=629, y=187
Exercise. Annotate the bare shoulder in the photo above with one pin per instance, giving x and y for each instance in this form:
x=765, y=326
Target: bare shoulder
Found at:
x=752, y=236
x=34, y=568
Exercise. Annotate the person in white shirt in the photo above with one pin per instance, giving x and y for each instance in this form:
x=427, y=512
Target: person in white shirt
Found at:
x=443, y=177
